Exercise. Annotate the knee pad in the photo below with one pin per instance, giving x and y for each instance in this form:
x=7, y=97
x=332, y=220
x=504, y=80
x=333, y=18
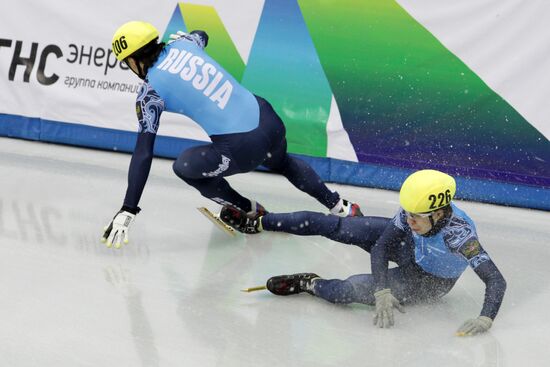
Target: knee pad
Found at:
x=178, y=168
x=184, y=170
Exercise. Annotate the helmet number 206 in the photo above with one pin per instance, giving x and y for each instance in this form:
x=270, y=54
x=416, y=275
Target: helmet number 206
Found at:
x=444, y=199
x=119, y=45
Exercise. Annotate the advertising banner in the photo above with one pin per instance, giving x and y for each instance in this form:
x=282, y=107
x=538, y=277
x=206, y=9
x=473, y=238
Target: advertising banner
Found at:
x=369, y=90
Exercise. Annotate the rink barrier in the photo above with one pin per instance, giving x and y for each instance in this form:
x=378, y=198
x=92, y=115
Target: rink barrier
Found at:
x=329, y=169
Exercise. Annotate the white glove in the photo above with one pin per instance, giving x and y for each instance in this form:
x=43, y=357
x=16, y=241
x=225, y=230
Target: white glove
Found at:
x=385, y=302
x=117, y=231
x=176, y=36
x=475, y=326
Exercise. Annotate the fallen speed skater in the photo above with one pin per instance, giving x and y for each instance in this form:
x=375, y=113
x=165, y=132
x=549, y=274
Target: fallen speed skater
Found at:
x=430, y=239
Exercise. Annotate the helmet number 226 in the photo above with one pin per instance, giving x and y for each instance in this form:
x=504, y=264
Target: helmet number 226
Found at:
x=444, y=199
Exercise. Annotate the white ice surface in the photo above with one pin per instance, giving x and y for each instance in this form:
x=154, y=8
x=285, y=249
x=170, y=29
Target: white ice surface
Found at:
x=171, y=297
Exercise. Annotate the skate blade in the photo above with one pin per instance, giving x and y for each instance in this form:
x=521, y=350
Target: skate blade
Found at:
x=217, y=221
x=254, y=289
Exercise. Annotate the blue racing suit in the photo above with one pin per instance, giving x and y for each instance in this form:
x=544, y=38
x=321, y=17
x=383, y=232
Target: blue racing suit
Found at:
x=428, y=267
x=244, y=129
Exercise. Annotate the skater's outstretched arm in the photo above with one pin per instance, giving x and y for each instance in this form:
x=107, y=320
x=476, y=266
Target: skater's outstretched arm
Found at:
x=380, y=253
x=149, y=107
x=495, y=286
x=138, y=172
x=197, y=36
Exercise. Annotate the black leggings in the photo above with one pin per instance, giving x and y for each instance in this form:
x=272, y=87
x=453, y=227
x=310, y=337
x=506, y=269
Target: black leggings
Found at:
x=408, y=282
x=204, y=167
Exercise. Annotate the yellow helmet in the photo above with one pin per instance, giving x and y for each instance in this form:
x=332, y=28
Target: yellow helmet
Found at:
x=427, y=190
x=131, y=37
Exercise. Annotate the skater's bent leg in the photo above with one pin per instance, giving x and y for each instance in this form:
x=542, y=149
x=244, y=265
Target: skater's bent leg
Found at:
x=218, y=190
x=203, y=167
x=360, y=231
x=357, y=288
x=360, y=288
x=301, y=175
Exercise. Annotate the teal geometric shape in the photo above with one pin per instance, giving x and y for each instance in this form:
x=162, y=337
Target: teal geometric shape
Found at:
x=284, y=67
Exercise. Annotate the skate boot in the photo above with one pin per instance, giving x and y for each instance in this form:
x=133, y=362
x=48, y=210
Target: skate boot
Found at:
x=284, y=285
x=346, y=208
x=257, y=210
x=239, y=220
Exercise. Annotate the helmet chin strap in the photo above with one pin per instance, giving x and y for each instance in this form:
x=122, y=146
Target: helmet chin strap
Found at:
x=437, y=226
x=434, y=228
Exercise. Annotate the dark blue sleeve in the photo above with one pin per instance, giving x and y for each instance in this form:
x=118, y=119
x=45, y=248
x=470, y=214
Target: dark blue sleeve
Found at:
x=202, y=35
x=485, y=268
x=149, y=106
x=140, y=165
x=495, y=286
x=379, y=252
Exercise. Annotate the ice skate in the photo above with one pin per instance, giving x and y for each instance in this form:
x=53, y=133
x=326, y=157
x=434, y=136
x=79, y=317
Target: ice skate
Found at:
x=284, y=285
x=257, y=210
x=217, y=221
x=346, y=208
x=240, y=220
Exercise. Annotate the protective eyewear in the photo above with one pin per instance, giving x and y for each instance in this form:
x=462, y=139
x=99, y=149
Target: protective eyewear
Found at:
x=418, y=215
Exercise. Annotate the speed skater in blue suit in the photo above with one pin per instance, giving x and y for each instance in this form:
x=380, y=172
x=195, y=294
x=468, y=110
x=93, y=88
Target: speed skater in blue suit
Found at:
x=430, y=239
x=244, y=129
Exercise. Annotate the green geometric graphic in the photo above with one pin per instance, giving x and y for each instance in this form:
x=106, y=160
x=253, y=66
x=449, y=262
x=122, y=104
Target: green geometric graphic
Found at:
x=406, y=100
x=284, y=67
x=220, y=45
